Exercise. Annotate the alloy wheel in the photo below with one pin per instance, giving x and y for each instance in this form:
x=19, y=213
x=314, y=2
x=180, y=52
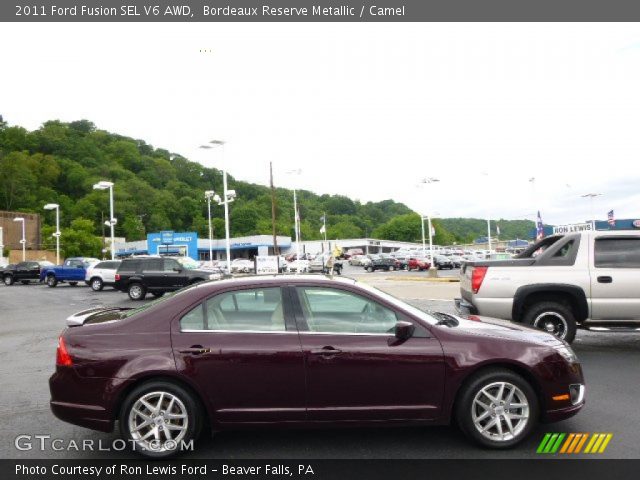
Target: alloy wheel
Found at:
x=551, y=322
x=500, y=411
x=158, y=421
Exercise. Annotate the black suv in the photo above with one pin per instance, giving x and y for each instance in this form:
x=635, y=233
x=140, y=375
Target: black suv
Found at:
x=380, y=262
x=23, y=272
x=157, y=275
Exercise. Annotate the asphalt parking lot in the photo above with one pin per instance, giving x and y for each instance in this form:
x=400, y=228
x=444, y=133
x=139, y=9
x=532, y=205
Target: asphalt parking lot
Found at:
x=32, y=316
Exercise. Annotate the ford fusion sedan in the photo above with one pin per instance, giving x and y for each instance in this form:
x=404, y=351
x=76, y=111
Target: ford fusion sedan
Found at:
x=307, y=351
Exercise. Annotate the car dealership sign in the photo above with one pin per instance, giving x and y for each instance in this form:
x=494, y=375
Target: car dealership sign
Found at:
x=576, y=227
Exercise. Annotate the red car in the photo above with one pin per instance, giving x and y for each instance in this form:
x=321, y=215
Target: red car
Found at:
x=308, y=351
x=418, y=264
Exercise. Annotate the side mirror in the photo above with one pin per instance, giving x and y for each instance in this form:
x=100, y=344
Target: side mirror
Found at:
x=404, y=330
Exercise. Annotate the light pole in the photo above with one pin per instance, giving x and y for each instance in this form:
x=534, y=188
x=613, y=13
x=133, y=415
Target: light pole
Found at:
x=1, y=244
x=591, y=196
x=24, y=238
x=488, y=218
x=296, y=220
x=229, y=196
x=433, y=271
x=56, y=207
x=210, y=194
x=104, y=185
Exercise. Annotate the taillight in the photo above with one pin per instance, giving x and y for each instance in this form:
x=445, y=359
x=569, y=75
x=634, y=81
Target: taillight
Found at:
x=62, y=356
x=117, y=277
x=477, y=276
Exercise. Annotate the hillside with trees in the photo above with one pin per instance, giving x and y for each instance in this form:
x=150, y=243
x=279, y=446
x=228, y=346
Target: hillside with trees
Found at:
x=159, y=190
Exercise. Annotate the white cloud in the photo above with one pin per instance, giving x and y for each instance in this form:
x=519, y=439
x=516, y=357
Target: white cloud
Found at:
x=365, y=109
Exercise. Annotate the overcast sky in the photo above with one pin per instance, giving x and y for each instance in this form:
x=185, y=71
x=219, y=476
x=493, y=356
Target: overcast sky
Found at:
x=365, y=110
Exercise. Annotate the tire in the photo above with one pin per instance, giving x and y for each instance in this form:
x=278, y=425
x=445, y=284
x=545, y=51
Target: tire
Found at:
x=391, y=269
x=52, y=281
x=157, y=294
x=136, y=291
x=160, y=393
x=8, y=280
x=483, y=425
x=96, y=284
x=73, y=284
x=553, y=317
x=369, y=269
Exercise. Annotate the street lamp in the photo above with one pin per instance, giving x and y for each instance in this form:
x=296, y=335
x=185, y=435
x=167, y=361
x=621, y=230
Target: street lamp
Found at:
x=433, y=271
x=591, y=196
x=56, y=207
x=24, y=238
x=1, y=244
x=103, y=185
x=296, y=219
x=229, y=196
x=210, y=194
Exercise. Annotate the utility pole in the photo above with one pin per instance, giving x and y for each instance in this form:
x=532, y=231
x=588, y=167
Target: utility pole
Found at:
x=276, y=250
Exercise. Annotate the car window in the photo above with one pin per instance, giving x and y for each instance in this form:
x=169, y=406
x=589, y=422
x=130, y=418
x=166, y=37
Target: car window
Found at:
x=152, y=265
x=255, y=310
x=617, y=252
x=169, y=264
x=129, y=266
x=328, y=310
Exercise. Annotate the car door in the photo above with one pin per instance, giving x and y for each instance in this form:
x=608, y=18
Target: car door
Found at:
x=241, y=347
x=356, y=368
x=615, y=269
x=21, y=271
x=173, y=274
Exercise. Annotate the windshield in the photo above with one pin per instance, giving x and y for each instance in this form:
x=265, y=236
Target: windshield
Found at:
x=188, y=263
x=421, y=314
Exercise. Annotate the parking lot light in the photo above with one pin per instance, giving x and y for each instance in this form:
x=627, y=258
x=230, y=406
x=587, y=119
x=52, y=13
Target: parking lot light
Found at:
x=433, y=271
x=104, y=185
x=296, y=220
x=229, y=196
x=56, y=207
x=24, y=238
x=591, y=196
x=210, y=194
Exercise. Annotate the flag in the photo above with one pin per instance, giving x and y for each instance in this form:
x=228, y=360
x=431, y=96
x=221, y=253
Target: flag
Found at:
x=539, y=228
x=433, y=231
x=498, y=229
x=611, y=219
x=322, y=229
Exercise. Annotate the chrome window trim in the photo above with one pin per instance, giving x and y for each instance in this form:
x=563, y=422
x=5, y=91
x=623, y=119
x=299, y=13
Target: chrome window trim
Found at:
x=349, y=333
x=236, y=331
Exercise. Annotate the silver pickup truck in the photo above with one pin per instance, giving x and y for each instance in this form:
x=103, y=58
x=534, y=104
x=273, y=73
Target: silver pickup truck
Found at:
x=585, y=280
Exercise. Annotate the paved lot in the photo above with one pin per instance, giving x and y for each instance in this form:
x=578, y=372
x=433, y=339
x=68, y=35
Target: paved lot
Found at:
x=31, y=317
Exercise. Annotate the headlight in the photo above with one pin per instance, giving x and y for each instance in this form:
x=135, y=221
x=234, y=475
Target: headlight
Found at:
x=567, y=353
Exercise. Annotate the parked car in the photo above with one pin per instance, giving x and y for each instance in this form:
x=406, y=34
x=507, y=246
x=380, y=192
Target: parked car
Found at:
x=294, y=265
x=101, y=274
x=351, y=252
x=356, y=260
x=158, y=275
x=318, y=263
x=456, y=260
x=206, y=355
x=379, y=262
x=442, y=263
x=242, y=265
x=418, y=263
x=72, y=271
x=563, y=282
x=23, y=272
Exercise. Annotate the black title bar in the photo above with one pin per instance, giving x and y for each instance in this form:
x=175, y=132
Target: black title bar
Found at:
x=318, y=10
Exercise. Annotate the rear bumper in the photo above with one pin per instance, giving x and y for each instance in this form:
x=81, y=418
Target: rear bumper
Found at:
x=465, y=308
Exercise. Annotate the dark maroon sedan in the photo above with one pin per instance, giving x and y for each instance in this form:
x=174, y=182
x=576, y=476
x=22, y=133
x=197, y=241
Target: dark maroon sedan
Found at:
x=305, y=350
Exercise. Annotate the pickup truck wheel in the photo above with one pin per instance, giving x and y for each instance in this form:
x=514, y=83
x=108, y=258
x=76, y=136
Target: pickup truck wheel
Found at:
x=136, y=291
x=369, y=269
x=497, y=408
x=552, y=317
x=96, y=284
x=8, y=280
x=52, y=281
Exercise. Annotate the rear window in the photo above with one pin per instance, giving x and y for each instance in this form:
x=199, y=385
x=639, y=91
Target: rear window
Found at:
x=617, y=252
x=129, y=266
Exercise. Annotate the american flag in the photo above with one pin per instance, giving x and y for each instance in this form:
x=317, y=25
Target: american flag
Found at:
x=611, y=219
x=539, y=228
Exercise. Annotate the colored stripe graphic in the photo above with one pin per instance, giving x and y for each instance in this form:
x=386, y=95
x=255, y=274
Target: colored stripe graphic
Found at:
x=573, y=443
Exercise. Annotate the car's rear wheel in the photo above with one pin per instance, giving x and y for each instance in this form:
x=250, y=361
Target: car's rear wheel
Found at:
x=8, y=280
x=497, y=408
x=96, y=284
x=158, y=418
x=52, y=281
x=136, y=291
x=555, y=318
x=369, y=269
x=391, y=269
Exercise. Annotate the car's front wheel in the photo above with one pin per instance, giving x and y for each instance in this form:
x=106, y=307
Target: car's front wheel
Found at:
x=8, y=280
x=52, y=281
x=497, y=408
x=160, y=418
x=97, y=284
x=136, y=291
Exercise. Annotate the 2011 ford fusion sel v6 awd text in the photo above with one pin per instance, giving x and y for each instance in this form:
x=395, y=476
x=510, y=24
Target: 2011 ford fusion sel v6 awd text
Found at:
x=309, y=351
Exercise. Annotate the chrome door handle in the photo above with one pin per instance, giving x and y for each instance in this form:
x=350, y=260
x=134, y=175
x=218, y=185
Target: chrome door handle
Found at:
x=325, y=351
x=195, y=350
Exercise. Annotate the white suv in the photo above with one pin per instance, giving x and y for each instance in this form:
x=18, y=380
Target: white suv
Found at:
x=101, y=274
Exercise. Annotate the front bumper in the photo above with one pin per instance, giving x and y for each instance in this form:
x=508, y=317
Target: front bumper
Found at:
x=465, y=308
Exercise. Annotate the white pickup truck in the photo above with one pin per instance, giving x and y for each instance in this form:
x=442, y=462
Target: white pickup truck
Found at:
x=585, y=280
